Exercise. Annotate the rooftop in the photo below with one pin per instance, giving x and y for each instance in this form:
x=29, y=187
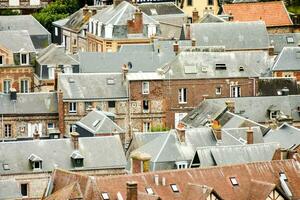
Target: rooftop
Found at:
x=21, y=41
x=288, y=60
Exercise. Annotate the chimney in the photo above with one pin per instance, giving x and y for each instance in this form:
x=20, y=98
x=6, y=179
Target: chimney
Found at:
x=230, y=106
x=132, y=193
x=181, y=134
x=74, y=139
x=135, y=25
x=85, y=10
x=250, y=136
x=291, y=153
x=195, y=16
x=36, y=135
x=61, y=113
x=140, y=162
x=216, y=127
x=56, y=72
x=176, y=48
x=271, y=50
x=13, y=94
x=188, y=31
x=193, y=42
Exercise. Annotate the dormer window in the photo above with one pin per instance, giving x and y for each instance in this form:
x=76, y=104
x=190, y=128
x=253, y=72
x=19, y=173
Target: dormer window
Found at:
x=35, y=161
x=24, y=58
x=241, y=69
x=77, y=159
x=274, y=114
x=290, y=39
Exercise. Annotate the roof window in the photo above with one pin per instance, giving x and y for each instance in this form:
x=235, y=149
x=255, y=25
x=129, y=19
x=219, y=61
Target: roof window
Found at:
x=96, y=123
x=5, y=166
x=149, y=191
x=174, y=188
x=234, y=181
x=241, y=69
x=190, y=69
x=153, y=11
x=105, y=195
x=290, y=39
x=221, y=67
x=298, y=54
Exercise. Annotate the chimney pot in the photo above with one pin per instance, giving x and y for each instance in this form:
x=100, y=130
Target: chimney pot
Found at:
x=163, y=181
x=250, y=136
x=74, y=138
x=132, y=193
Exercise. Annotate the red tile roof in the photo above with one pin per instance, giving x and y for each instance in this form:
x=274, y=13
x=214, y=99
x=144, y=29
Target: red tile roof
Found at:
x=273, y=13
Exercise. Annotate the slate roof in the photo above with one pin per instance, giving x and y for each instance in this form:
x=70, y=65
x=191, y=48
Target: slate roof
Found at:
x=211, y=18
x=233, y=36
x=9, y=189
x=189, y=65
x=288, y=60
x=94, y=62
x=219, y=180
x=29, y=103
x=260, y=11
x=21, y=41
x=93, y=149
x=160, y=8
x=279, y=41
x=238, y=136
x=97, y=122
x=22, y=22
x=287, y=135
x=61, y=22
x=83, y=87
x=55, y=55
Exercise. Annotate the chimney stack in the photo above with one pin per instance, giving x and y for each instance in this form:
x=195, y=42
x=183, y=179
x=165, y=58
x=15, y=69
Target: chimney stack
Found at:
x=181, y=133
x=136, y=25
x=195, y=16
x=250, y=136
x=36, y=135
x=61, y=113
x=230, y=106
x=132, y=193
x=13, y=94
x=176, y=48
x=140, y=162
x=75, y=141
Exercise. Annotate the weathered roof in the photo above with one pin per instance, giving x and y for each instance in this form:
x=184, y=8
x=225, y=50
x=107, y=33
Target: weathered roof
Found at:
x=55, y=55
x=237, y=136
x=203, y=65
x=9, y=189
x=83, y=87
x=211, y=18
x=161, y=8
x=93, y=149
x=21, y=41
x=61, y=22
x=29, y=103
x=97, y=122
x=94, y=62
x=234, y=36
x=144, y=76
x=234, y=154
x=288, y=136
x=22, y=22
x=288, y=60
x=260, y=11
x=279, y=41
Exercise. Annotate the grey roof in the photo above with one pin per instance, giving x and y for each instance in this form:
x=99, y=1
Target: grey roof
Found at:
x=191, y=65
x=29, y=103
x=237, y=35
x=236, y=136
x=83, y=87
x=281, y=40
x=22, y=22
x=9, y=189
x=164, y=8
x=235, y=154
x=288, y=136
x=288, y=60
x=199, y=137
x=93, y=149
x=21, y=41
x=97, y=122
x=211, y=18
x=61, y=22
x=55, y=55
x=94, y=62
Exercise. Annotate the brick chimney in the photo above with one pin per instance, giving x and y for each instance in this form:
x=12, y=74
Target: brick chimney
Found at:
x=195, y=16
x=250, y=137
x=136, y=25
x=176, y=48
x=61, y=113
x=74, y=139
x=132, y=193
x=56, y=72
x=216, y=127
x=181, y=134
x=140, y=162
x=230, y=106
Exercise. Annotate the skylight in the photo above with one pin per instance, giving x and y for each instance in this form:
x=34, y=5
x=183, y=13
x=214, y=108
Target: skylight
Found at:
x=96, y=123
x=174, y=188
x=149, y=191
x=105, y=195
x=221, y=67
x=110, y=81
x=289, y=39
x=5, y=167
x=234, y=181
x=153, y=11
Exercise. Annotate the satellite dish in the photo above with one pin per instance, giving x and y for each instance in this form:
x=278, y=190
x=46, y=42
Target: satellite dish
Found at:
x=129, y=65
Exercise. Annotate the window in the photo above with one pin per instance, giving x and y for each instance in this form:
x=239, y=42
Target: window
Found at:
x=72, y=128
x=190, y=2
x=111, y=104
x=149, y=191
x=7, y=130
x=274, y=114
x=146, y=127
x=88, y=105
x=24, y=86
x=145, y=87
x=221, y=67
x=50, y=125
x=1, y=60
x=51, y=72
x=181, y=165
x=298, y=54
x=210, y=2
x=37, y=165
x=174, y=188
x=105, y=196
x=24, y=189
x=235, y=91
x=218, y=90
x=72, y=107
x=182, y=95
x=145, y=106
x=234, y=181
x=56, y=31
x=6, y=86
x=290, y=39
x=5, y=166
x=24, y=58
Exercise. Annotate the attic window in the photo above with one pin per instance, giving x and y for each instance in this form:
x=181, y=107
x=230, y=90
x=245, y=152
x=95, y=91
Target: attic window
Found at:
x=190, y=69
x=153, y=11
x=110, y=81
x=5, y=167
x=96, y=123
x=149, y=191
x=174, y=188
x=35, y=161
x=233, y=181
x=105, y=196
x=221, y=67
x=290, y=39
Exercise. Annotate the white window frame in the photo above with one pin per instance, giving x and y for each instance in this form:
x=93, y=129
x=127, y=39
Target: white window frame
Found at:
x=6, y=89
x=27, y=58
x=72, y=107
x=145, y=87
x=218, y=90
x=68, y=69
x=24, y=88
x=235, y=91
x=182, y=96
x=146, y=126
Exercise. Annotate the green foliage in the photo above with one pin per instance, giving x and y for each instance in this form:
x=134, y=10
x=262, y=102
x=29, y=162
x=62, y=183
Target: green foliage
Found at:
x=159, y=128
x=8, y=12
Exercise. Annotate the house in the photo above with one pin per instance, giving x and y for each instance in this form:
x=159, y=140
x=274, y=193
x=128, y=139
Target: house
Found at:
x=287, y=63
x=81, y=92
x=17, y=60
x=39, y=35
x=251, y=35
x=258, y=180
x=191, y=7
x=24, y=6
x=286, y=135
x=31, y=162
x=51, y=60
x=279, y=41
x=23, y=115
x=255, y=11
x=9, y=189
x=99, y=123
x=57, y=29
x=118, y=24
